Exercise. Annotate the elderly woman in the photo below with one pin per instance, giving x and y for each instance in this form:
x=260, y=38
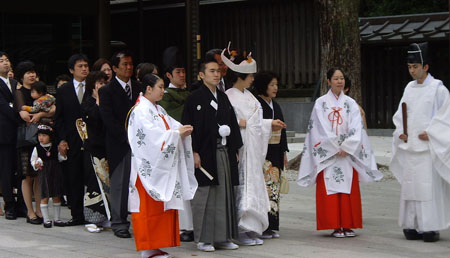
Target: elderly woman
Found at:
x=252, y=199
x=266, y=85
x=162, y=171
x=336, y=156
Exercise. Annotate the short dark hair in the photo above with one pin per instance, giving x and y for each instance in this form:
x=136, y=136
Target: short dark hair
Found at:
x=62, y=77
x=23, y=67
x=262, y=81
x=332, y=71
x=210, y=55
x=115, y=59
x=92, y=78
x=149, y=80
x=144, y=68
x=97, y=66
x=202, y=66
x=39, y=87
x=74, y=59
x=2, y=53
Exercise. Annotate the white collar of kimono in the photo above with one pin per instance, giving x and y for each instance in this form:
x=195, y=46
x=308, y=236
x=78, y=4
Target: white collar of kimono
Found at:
x=145, y=102
x=46, y=144
x=426, y=81
x=336, y=99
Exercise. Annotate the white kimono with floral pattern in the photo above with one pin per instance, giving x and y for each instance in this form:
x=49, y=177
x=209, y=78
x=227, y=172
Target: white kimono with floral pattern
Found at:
x=161, y=159
x=252, y=199
x=336, y=125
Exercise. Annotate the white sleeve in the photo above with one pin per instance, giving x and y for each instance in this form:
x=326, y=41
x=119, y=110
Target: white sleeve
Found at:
x=35, y=159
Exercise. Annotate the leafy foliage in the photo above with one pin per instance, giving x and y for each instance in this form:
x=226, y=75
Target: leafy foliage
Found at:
x=370, y=8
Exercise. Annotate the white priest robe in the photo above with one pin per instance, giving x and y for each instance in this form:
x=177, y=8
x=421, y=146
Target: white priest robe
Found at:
x=252, y=199
x=336, y=125
x=423, y=167
x=161, y=159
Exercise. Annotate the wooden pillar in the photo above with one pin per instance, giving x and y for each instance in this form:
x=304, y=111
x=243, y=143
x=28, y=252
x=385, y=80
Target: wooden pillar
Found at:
x=192, y=40
x=104, y=29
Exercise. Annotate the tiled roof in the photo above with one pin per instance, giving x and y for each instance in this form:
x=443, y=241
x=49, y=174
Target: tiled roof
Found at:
x=404, y=28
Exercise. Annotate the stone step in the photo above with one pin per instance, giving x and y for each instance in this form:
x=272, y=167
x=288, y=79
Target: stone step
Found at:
x=295, y=140
x=290, y=133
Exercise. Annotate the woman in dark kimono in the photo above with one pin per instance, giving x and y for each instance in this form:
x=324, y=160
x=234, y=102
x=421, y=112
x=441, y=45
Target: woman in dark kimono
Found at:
x=266, y=85
x=96, y=208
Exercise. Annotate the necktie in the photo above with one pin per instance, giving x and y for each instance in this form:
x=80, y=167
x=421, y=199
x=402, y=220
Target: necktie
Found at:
x=128, y=91
x=80, y=92
x=221, y=86
x=9, y=85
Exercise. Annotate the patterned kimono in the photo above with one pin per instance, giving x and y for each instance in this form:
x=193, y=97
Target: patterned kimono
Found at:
x=336, y=125
x=162, y=175
x=251, y=195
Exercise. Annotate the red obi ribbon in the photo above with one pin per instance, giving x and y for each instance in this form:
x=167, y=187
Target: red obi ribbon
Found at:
x=167, y=128
x=335, y=116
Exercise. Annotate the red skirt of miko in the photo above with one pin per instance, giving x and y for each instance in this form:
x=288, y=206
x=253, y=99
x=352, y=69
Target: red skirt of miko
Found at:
x=153, y=227
x=338, y=210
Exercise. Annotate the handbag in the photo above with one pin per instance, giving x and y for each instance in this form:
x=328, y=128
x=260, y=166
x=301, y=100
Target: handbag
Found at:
x=27, y=135
x=284, y=185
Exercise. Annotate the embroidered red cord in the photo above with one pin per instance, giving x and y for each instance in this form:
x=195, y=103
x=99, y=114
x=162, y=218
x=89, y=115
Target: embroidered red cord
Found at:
x=167, y=128
x=335, y=116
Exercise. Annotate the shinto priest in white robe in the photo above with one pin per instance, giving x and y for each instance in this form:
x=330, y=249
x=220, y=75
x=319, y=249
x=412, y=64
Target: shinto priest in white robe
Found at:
x=336, y=125
x=423, y=167
x=161, y=159
x=252, y=199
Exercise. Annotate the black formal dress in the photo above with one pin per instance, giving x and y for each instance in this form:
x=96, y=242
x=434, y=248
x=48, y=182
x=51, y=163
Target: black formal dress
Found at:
x=68, y=110
x=275, y=155
x=114, y=107
x=8, y=124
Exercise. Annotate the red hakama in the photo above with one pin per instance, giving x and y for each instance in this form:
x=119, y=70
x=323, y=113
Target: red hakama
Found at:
x=153, y=227
x=338, y=210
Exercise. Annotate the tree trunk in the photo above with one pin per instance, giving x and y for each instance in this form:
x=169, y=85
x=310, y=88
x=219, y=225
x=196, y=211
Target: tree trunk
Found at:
x=340, y=43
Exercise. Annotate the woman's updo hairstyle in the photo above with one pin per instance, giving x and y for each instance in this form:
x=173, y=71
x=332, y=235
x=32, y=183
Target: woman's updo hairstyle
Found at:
x=149, y=80
x=332, y=71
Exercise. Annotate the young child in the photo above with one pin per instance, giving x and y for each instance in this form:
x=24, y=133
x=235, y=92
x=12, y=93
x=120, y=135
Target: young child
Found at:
x=46, y=158
x=42, y=101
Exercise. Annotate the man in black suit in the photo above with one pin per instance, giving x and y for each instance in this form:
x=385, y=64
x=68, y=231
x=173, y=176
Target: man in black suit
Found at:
x=68, y=110
x=8, y=135
x=116, y=99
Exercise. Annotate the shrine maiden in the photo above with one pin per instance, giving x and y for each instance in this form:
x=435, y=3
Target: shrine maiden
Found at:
x=162, y=171
x=336, y=156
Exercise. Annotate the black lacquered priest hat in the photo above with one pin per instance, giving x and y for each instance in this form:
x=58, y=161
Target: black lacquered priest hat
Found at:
x=418, y=53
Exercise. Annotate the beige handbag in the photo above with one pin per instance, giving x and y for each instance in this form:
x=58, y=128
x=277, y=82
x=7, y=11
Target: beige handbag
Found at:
x=284, y=186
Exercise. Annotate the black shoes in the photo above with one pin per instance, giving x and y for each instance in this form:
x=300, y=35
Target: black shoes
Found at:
x=74, y=222
x=10, y=214
x=187, y=236
x=47, y=224
x=59, y=223
x=428, y=236
x=122, y=233
x=34, y=221
x=431, y=236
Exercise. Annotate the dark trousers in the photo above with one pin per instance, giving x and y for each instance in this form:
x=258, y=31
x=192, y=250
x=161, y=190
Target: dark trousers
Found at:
x=74, y=169
x=7, y=161
x=118, y=192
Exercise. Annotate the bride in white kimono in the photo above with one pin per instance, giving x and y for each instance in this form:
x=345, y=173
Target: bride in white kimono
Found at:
x=336, y=155
x=162, y=171
x=252, y=200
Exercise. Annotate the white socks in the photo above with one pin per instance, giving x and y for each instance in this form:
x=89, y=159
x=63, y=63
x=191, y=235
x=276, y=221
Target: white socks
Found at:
x=44, y=210
x=56, y=211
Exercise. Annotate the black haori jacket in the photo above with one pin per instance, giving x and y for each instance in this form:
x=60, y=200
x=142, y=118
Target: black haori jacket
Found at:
x=199, y=113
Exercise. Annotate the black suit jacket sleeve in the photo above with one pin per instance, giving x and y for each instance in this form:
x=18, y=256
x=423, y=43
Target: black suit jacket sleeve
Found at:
x=115, y=127
x=60, y=122
x=188, y=119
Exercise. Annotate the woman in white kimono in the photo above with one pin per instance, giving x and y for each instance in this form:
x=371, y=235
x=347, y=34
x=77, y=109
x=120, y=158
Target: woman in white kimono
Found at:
x=336, y=155
x=252, y=200
x=162, y=171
